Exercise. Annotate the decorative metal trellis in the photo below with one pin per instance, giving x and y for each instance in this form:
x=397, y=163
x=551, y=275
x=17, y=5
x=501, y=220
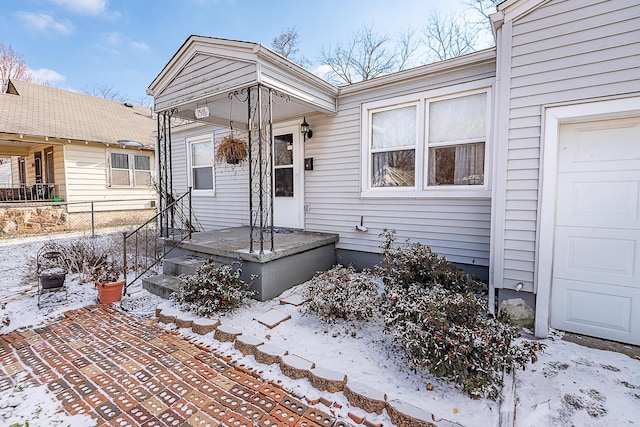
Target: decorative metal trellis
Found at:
x=165, y=173
x=260, y=100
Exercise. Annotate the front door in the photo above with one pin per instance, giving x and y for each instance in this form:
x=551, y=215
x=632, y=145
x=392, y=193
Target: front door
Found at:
x=596, y=266
x=288, y=180
x=38, y=166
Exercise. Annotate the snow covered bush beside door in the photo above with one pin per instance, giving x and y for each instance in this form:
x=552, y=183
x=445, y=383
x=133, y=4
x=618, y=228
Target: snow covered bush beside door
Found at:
x=439, y=315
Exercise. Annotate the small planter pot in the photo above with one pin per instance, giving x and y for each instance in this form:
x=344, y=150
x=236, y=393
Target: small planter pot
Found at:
x=110, y=292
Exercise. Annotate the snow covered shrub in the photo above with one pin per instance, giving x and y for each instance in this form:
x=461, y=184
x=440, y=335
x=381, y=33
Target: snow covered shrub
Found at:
x=444, y=325
x=342, y=293
x=213, y=289
x=411, y=263
x=82, y=255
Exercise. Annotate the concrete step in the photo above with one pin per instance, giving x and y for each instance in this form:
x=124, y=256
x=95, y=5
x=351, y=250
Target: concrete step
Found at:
x=181, y=265
x=162, y=285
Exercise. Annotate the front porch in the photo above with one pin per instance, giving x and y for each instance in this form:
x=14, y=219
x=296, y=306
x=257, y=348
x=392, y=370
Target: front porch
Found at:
x=38, y=192
x=297, y=256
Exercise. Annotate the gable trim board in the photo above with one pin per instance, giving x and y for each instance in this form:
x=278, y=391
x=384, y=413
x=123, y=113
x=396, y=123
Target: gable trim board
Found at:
x=554, y=118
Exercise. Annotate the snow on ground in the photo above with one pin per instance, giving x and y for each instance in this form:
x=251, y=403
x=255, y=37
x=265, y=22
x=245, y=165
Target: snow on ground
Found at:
x=570, y=385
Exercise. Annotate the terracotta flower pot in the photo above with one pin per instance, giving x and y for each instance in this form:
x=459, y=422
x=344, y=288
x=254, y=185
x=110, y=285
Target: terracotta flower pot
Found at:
x=110, y=292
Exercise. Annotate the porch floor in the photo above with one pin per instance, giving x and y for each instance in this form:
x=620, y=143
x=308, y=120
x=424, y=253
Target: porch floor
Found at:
x=234, y=242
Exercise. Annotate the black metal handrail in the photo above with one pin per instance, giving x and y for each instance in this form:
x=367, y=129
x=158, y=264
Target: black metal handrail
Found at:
x=147, y=249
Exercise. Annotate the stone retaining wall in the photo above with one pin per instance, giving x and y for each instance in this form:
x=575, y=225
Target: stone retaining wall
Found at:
x=18, y=221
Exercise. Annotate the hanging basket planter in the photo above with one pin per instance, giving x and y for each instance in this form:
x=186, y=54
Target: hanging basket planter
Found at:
x=232, y=150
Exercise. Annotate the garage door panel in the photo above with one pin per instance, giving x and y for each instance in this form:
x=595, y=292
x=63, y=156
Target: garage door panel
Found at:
x=601, y=199
x=598, y=255
x=613, y=144
x=595, y=287
x=596, y=310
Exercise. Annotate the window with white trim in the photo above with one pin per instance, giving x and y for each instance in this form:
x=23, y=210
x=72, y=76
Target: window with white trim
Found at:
x=431, y=144
x=393, y=147
x=129, y=170
x=201, y=164
x=457, y=134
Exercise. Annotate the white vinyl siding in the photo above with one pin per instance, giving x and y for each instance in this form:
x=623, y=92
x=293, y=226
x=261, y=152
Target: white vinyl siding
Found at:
x=562, y=52
x=215, y=73
x=197, y=76
x=229, y=205
x=87, y=177
x=456, y=227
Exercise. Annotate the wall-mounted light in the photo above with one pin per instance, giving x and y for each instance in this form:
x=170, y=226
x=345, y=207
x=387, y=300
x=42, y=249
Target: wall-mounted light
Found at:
x=307, y=133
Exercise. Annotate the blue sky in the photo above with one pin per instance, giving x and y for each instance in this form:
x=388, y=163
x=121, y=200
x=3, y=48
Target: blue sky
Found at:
x=80, y=44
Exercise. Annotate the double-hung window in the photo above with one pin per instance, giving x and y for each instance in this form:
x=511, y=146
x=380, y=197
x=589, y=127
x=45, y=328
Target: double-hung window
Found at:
x=201, y=163
x=393, y=147
x=430, y=144
x=457, y=133
x=142, y=170
x=130, y=170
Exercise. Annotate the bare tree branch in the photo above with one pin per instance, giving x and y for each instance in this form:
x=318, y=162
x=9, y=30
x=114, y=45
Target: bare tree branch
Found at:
x=483, y=7
x=104, y=90
x=12, y=67
x=286, y=44
x=446, y=37
x=365, y=56
x=407, y=47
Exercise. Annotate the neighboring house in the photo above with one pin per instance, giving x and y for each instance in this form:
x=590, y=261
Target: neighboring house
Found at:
x=70, y=147
x=508, y=161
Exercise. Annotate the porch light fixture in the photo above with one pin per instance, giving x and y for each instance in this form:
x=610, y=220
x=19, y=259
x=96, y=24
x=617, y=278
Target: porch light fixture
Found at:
x=304, y=129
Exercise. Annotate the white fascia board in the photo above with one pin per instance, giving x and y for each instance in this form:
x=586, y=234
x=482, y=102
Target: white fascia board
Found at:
x=514, y=9
x=401, y=77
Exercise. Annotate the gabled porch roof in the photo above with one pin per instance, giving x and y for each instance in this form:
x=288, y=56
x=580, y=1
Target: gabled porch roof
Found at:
x=205, y=70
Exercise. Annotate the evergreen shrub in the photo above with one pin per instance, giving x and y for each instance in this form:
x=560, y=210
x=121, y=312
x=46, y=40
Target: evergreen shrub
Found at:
x=213, y=289
x=342, y=293
x=441, y=319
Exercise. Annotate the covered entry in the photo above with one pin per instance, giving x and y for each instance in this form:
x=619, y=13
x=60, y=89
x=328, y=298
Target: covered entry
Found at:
x=248, y=88
x=594, y=242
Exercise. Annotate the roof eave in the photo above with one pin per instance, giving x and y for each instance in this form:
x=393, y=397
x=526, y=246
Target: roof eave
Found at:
x=448, y=65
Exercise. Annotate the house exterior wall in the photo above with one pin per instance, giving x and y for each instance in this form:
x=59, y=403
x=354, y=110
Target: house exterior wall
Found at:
x=228, y=204
x=558, y=53
x=455, y=227
x=87, y=172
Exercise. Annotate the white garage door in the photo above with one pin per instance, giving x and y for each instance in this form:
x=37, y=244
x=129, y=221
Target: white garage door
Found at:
x=596, y=264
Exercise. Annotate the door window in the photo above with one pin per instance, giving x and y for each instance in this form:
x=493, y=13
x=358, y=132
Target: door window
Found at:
x=49, y=169
x=283, y=158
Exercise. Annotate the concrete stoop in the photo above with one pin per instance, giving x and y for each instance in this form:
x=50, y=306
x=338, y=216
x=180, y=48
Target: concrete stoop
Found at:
x=297, y=257
x=357, y=394
x=161, y=285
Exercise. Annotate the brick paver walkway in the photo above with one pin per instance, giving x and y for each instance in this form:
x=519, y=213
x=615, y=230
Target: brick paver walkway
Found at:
x=126, y=372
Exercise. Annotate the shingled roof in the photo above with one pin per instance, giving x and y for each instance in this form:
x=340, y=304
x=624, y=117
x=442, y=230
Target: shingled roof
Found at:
x=31, y=109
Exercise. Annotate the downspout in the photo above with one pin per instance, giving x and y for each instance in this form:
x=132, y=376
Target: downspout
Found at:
x=497, y=19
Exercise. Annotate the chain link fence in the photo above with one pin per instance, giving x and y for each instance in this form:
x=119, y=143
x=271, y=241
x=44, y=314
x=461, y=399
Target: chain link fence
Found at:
x=98, y=216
